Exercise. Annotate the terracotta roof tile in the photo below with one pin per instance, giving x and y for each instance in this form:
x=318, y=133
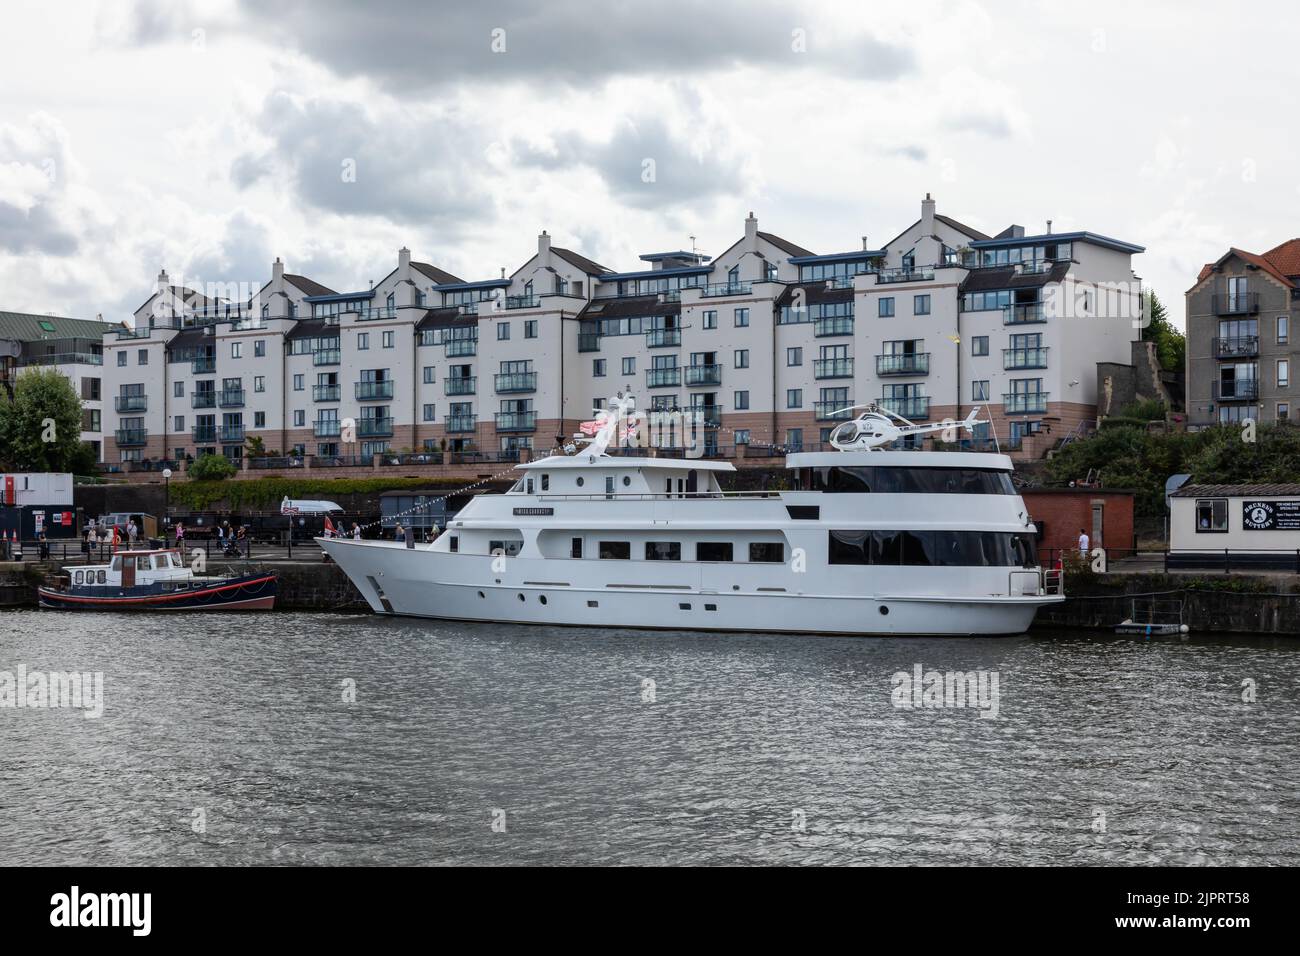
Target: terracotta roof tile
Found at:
x=1286, y=257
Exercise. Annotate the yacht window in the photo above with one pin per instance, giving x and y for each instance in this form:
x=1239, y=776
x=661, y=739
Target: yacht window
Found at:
x=882, y=479
x=546, y=482
x=1211, y=514
x=81, y=577
x=160, y=562
x=609, y=486
x=762, y=551
x=713, y=551
x=619, y=550
x=959, y=549
x=103, y=577
x=580, y=481
x=575, y=548
x=627, y=481
x=453, y=543
x=530, y=486
x=117, y=563
x=507, y=546
x=663, y=551
x=142, y=563
x=175, y=560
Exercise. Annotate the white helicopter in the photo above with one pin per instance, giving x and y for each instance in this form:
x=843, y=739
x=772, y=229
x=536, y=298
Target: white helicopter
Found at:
x=615, y=424
x=877, y=427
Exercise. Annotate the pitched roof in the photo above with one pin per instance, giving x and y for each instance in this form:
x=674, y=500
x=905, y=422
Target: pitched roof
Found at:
x=960, y=227
x=629, y=305
x=309, y=286
x=785, y=245
x=437, y=275
x=1258, y=261
x=1237, y=491
x=1286, y=257
x=815, y=293
x=29, y=327
x=1008, y=277
x=582, y=262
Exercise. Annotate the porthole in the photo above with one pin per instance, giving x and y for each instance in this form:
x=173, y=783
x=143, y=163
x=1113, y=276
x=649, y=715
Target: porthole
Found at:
x=884, y=609
x=542, y=598
x=710, y=607
x=481, y=594
x=81, y=576
x=683, y=606
x=627, y=480
x=579, y=481
x=593, y=604
x=522, y=598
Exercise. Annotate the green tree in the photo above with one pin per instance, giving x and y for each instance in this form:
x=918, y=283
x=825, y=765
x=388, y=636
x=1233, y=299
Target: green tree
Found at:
x=212, y=468
x=40, y=426
x=255, y=447
x=1171, y=345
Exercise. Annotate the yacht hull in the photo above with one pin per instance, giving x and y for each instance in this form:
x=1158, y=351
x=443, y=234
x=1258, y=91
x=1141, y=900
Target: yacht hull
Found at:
x=416, y=582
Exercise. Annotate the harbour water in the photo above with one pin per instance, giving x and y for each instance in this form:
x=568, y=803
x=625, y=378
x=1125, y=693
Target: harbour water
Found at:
x=328, y=739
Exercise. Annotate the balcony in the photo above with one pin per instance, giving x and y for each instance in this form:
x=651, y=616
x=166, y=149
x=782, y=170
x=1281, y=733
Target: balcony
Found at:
x=459, y=385
x=374, y=391
x=663, y=338
x=206, y=399
x=460, y=348
x=231, y=398
x=127, y=437
x=710, y=414
x=327, y=428
x=1024, y=402
x=1027, y=314
x=515, y=382
x=375, y=427
x=1242, y=390
x=663, y=377
x=204, y=434
x=833, y=411
x=1236, y=303
x=207, y=365
x=326, y=393
x=588, y=342
x=835, y=325
x=833, y=368
x=380, y=312
x=65, y=358
x=131, y=403
x=1024, y=358
x=516, y=421
x=914, y=407
x=325, y=357
x=231, y=434
x=703, y=375
x=886, y=276
x=904, y=363
x=459, y=423
x=522, y=301
x=1243, y=346
x=725, y=289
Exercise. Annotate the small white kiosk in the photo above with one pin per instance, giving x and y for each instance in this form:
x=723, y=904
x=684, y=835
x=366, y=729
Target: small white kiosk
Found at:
x=1235, y=526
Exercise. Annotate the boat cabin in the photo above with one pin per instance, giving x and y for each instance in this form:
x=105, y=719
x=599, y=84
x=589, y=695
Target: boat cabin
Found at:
x=130, y=569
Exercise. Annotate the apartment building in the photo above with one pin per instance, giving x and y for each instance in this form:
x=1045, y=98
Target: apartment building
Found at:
x=768, y=341
x=1239, y=356
x=73, y=346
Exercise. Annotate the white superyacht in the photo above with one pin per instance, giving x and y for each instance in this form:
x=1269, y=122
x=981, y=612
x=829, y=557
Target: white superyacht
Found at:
x=872, y=542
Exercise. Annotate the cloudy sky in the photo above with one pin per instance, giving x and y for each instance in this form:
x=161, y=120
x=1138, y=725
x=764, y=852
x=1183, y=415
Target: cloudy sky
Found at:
x=211, y=136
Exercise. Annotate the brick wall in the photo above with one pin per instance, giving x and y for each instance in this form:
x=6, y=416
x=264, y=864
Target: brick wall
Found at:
x=1061, y=512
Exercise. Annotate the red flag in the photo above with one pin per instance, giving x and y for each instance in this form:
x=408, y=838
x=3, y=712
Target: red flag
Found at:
x=329, y=527
x=590, y=428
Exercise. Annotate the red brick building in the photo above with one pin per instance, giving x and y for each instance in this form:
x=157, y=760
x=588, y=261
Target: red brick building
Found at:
x=1105, y=513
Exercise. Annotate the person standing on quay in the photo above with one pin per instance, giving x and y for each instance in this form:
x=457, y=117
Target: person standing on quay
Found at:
x=1083, y=543
x=356, y=531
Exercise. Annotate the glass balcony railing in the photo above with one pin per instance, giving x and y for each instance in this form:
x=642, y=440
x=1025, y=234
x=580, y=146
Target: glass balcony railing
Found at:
x=711, y=415
x=65, y=358
x=1237, y=303
x=204, y=433
x=725, y=289
x=663, y=338
x=1023, y=314
x=131, y=436
x=663, y=377
x=204, y=366
x=325, y=357
x=885, y=276
x=1024, y=358
x=522, y=301
x=131, y=403
x=374, y=391
x=459, y=348
x=1024, y=402
x=231, y=398
x=833, y=411
x=327, y=428
x=459, y=385
x=835, y=325
x=1240, y=390
x=326, y=393
x=460, y=423
x=232, y=434
x=516, y=421
x=833, y=368
x=703, y=375
x=516, y=382
x=374, y=427
x=588, y=342
x=1241, y=346
x=206, y=399
x=914, y=407
x=905, y=363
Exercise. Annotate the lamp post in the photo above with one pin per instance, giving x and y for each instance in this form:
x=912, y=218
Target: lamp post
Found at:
x=167, y=501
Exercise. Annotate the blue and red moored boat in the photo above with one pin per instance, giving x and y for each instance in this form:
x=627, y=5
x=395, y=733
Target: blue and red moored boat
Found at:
x=157, y=580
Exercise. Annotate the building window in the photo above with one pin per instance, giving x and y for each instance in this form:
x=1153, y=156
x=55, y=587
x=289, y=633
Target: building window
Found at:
x=178, y=423
x=530, y=329
x=1283, y=411
x=388, y=340
x=259, y=383
x=363, y=341
x=1283, y=373
x=299, y=418
x=742, y=358
x=742, y=436
x=121, y=359
x=979, y=345
x=885, y=307
x=793, y=439
x=794, y=356
x=142, y=357
x=503, y=331
x=629, y=366
x=259, y=419
x=710, y=318
x=428, y=375
x=428, y=412
x=297, y=383
x=1283, y=324
x=236, y=350
x=920, y=305
x=979, y=391
x=1211, y=514
x=598, y=368
x=794, y=398
x=178, y=389
x=259, y=348
x=742, y=318
x=741, y=401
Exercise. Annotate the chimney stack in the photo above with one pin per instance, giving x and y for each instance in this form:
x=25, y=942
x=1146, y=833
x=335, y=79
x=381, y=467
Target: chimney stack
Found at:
x=927, y=216
x=751, y=232
x=865, y=247
x=403, y=259
x=544, y=246
x=163, y=281
x=277, y=269
x=1049, y=227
